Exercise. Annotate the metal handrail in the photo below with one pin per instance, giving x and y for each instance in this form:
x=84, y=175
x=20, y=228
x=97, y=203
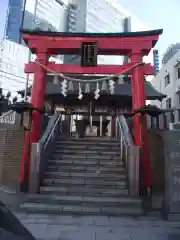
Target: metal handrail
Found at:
x=130, y=154
x=47, y=141
x=49, y=129
x=122, y=138
x=52, y=131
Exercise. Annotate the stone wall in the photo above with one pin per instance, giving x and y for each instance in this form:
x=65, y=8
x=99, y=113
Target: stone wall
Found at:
x=11, y=147
x=156, y=146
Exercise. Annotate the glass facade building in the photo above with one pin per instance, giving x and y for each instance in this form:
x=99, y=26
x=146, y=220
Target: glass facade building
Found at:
x=63, y=16
x=48, y=15
x=102, y=16
x=14, y=18
x=45, y=14
x=95, y=16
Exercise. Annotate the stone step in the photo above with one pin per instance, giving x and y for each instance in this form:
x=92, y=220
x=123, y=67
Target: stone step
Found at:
x=99, y=140
x=87, y=147
x=88, y=143
x=86, y=164
x=86, y=175
x=66, y=182
x=80, y=210
x=84, y=191
x=86, y=152
x=84, y=157
x=84, y=200
x=89, y=160
x=88, y=169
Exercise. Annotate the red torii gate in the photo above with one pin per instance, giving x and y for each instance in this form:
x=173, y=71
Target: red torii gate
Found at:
x=45, y=44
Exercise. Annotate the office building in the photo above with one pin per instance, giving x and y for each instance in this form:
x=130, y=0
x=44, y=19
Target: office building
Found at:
x=167, y=80
x=44, y=14
x=14, y=18
x=73, y=16
x=170, y=52
x=48, y=15
x=101, y=16
x=13, y=56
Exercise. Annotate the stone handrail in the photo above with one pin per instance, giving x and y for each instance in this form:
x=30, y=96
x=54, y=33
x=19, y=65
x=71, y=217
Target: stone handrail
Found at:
x=40, y=152
x=130, y=155
x=165, y=119
x=11, y=117
x=8, y=117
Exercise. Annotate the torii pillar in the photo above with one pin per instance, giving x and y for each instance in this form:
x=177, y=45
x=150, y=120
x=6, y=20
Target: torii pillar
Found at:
x=135, y=45
x=140, y=121
x=37, y=100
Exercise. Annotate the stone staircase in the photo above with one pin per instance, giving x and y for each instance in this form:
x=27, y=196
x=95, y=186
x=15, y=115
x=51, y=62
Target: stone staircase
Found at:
x=84, y=177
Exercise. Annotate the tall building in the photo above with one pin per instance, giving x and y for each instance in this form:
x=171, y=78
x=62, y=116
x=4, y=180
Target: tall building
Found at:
x=48, y=15
x=101, y=16
x=13, y=56
x=170, y=52
x=167, y=80
x=63, y=16
x=44, y=14
x=14, y=18
x=95, y=16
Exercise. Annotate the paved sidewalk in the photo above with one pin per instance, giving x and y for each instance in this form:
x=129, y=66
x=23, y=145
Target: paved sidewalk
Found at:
x=99, y=228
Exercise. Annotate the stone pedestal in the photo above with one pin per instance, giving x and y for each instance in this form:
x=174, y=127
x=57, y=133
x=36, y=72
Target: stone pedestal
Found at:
x=172, y=174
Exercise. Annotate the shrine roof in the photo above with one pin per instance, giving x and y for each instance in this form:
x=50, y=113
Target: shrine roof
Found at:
x=81, y=34
x=120, y=90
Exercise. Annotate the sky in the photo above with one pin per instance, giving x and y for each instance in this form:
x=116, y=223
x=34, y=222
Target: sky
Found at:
x=158, y=14
x=154, y=13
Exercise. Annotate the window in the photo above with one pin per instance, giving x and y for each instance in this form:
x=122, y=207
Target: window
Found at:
x=178, y=98
x=168, y=103
x=178, y=72
x=167, y=79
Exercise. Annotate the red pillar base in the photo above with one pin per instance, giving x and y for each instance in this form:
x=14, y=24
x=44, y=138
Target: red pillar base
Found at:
x=24, y=165
x=145, y=165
